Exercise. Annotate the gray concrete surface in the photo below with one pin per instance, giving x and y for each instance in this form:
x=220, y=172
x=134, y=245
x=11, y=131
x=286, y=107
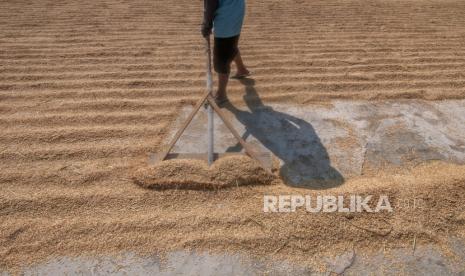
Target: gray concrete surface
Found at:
x=321, y=145
x=176, y=263
x=425, y=260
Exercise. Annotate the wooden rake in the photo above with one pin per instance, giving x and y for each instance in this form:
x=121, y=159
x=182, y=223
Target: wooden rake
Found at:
x=207, y=99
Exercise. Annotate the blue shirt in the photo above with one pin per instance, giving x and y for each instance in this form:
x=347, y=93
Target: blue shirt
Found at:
x=229, y=18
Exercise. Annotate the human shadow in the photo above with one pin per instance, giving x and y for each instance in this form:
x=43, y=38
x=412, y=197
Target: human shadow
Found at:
x=304, y=160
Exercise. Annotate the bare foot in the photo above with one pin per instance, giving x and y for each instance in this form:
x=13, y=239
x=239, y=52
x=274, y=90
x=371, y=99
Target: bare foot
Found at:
x=241, y=74
x=220, y=98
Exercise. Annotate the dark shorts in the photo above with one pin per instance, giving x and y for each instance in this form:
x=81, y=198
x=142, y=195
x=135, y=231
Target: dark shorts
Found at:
x=224, y=52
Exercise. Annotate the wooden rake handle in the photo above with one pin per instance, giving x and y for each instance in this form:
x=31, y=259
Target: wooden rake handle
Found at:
x=209, y=65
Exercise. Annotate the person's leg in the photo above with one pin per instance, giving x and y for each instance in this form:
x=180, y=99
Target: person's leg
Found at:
x=220, y=62
x=222, y=85
x=241, y=69
x=225, y=52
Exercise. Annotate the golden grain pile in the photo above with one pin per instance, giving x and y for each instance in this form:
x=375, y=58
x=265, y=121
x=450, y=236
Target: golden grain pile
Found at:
x=226, y=172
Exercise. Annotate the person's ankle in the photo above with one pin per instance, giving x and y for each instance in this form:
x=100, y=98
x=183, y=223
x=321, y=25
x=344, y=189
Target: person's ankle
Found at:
x=220, y=95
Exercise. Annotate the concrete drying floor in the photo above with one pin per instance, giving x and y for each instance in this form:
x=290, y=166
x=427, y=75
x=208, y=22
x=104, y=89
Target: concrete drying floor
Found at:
x=426, y=260
x=334, y=141
x=339, y=140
